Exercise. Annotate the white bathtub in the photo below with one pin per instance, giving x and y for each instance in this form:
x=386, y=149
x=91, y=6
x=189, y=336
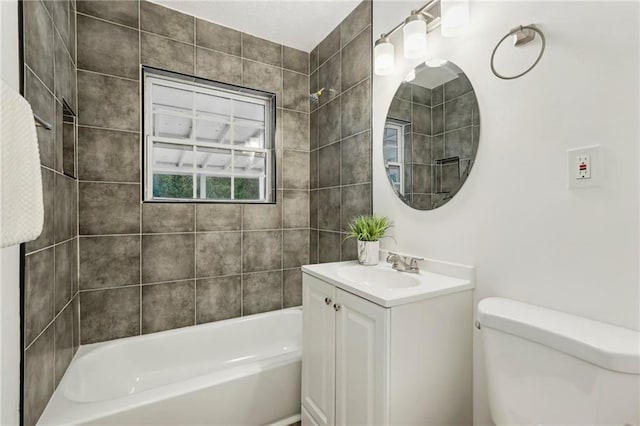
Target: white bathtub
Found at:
x=243, y=371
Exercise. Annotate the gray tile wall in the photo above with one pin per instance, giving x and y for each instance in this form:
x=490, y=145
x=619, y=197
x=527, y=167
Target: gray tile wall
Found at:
x=340, y=132
x=51, y=263
x=412, y=104
x=151, y=267
x=455, y=130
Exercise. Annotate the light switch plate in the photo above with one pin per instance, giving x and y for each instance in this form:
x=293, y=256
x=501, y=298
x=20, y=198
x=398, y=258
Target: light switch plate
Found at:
x=584, y=167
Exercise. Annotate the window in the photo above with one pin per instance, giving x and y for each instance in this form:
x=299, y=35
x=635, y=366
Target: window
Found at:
x=206, y=141
x=392, y=146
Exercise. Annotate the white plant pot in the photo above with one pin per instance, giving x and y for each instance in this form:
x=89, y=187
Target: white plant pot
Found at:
x=368, y=252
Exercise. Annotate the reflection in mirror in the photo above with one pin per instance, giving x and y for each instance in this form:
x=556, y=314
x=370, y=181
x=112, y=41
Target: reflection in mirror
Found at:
x=431, y=135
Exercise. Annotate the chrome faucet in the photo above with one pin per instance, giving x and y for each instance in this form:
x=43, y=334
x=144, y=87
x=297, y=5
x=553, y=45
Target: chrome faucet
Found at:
x=404, y=263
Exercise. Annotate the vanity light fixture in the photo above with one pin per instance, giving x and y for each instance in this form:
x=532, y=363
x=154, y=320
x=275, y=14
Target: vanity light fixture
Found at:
x=414, y=35
x=454, y=17
x=384, y=54
x=415, y=29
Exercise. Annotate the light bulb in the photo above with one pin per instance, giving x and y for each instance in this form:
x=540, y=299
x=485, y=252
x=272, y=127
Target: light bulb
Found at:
x=454, y=15
x=415, y=36
x=384, y=56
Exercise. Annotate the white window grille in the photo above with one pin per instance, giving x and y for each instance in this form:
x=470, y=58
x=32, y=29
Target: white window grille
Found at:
x=206, y=142
x=393, y=149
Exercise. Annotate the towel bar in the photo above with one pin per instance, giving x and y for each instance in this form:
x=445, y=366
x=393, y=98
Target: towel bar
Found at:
x=41, y=123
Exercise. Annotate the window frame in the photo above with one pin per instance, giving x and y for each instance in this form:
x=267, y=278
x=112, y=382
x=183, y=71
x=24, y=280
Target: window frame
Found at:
x=399, y=128
x=151, y=76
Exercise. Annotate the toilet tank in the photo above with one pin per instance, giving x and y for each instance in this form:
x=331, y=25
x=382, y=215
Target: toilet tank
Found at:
x=546, y=367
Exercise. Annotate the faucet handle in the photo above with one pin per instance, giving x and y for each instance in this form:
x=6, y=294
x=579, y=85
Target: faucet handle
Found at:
x=404, y=262
x=406, y=257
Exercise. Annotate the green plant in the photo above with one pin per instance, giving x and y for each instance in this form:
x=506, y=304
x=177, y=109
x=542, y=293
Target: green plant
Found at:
x=368, y=228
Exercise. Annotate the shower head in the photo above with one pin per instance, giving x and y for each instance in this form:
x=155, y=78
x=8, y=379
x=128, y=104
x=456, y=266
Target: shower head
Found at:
x=315, y=96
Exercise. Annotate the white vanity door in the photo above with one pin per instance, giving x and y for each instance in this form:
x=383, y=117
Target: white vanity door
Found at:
x=318, y=349
x=306, y=419
x=362, y=344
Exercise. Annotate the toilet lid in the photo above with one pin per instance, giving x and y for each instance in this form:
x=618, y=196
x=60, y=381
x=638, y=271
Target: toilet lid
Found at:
x=608, y=346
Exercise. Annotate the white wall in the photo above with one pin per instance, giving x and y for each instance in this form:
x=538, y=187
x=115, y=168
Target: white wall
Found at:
x=9, y=257
x=530, y=237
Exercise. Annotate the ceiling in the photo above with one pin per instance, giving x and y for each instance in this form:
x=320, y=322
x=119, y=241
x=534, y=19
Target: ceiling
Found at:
x=301, y=24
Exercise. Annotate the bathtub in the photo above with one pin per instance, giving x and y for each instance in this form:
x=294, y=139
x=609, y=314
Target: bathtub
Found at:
x=243, y=371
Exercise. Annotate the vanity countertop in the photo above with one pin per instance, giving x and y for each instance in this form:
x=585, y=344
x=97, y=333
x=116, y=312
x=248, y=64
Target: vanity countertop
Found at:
x=380, y=284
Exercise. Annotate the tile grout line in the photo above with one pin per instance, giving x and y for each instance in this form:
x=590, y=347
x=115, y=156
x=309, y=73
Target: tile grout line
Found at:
x=108, y=182
x=104, y=74
x=444, y=138
x=430, y=138
x=242, y=79
x=317, y=260
x=282, y=200
x=195, y=261
x=40, y=80
x=195, y=45
x=44, y=330
x=140, y=249
x=241, y=261
x=340, y=142
x=370, y=104
x=55, y=207
x=87, y=15
x=64, y=44
x=77, y=186
x=231, y=231
x=49, y=246
x=88, y=126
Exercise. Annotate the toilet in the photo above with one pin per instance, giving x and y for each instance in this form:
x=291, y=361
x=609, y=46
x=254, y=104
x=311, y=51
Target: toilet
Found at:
x=546, y=367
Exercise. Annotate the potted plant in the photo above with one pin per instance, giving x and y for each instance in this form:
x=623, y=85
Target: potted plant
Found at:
x=368, y=230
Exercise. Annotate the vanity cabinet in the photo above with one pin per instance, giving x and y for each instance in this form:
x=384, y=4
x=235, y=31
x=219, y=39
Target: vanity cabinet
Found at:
x=344, y=369
x=318, y=348
x=365, y=364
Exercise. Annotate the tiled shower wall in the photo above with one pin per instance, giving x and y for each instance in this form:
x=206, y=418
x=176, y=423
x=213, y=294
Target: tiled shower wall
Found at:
x=340, y=135
x=455, y=130
x=51, y=286
x=412, y=104
x=151, y=267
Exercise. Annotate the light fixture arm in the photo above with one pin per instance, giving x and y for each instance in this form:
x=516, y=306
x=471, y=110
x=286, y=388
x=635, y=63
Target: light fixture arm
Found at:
x=430, y=11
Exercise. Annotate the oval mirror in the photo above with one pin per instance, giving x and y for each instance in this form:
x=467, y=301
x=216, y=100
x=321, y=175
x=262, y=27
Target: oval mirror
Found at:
x=431, y=135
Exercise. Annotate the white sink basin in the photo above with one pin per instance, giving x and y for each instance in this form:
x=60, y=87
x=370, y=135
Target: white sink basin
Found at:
x=387, y=287
x=378, y=277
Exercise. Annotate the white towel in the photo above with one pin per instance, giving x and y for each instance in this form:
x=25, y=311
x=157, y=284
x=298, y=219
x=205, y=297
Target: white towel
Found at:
x=21, y=205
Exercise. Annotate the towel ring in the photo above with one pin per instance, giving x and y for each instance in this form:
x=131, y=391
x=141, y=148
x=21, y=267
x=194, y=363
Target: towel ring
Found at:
x=524, y=34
